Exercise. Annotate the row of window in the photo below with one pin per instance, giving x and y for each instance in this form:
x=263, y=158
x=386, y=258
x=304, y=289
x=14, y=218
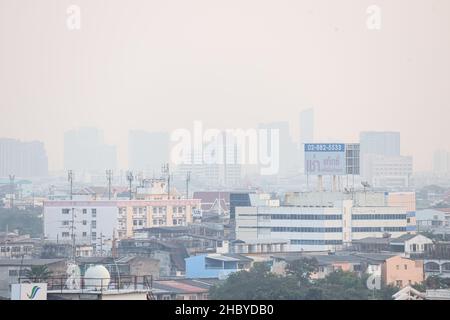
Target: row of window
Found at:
x=66, y=234
x=15, y=248
x=84, y=222
x=378, y=229
x=306, y=216
x=379, y=216
x=316, y=242
x=304, y=229
x=93, y=212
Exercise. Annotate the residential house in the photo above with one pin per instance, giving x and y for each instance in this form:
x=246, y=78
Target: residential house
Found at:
x=216, y=265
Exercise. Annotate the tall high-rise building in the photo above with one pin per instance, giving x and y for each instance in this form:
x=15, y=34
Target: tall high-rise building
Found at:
x=306, y=132
x=147, y=151
x=86, y=151
x=382, y=165
x=218, y=164
x=380, y=143
x=441, y=162
x=23, y=159
x=288, y=155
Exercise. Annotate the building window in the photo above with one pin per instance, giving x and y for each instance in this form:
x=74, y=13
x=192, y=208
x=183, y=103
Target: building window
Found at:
x=84, y=211
x=65, y=211
x=65, y=223
x=399, y=283
x=94, y=235
x=406, y=267
x=174, y=221
x=65, y=234
x=13, y=273
x=398, y=267
x=94, y=213
x=94, y=224
x=84, y=234
x=84, y=222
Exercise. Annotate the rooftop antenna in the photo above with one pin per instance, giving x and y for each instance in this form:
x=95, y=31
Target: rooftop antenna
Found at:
x=130, y=179
x=70, y=179
x=188, y=179
x=166, y=171
x=365, y=185
x=109, y=174
x=12, y=191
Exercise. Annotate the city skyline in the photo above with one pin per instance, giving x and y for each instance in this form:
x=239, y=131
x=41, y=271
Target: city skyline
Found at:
x=131, y=148
x=392, y=79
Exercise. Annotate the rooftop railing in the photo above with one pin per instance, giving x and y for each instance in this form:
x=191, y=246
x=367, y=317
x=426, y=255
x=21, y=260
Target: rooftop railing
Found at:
x=86, y=285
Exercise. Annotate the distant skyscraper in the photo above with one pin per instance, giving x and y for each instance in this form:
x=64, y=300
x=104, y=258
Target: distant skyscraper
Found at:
x=306, y=132
x=380, y=143
x=85, y=151
x=23, y=159
x=147, y=151
x=441, y=162
x=288, y=156
x=219, y=166
x=381, y=162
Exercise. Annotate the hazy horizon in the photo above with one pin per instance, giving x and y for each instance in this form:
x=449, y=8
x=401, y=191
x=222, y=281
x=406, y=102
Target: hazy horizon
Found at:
x=159, y=66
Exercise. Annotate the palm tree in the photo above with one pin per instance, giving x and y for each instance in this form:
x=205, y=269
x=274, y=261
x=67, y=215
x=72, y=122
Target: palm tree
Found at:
x=38, y=273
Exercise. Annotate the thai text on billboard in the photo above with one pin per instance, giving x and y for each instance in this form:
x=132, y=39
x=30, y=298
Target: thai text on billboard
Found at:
x=325, y=158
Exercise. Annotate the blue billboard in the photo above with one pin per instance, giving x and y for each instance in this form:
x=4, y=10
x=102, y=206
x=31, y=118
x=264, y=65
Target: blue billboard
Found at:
x=325, y=159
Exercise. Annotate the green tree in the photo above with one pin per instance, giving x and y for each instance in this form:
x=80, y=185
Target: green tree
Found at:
x=256, y=284
x=27, y=221
x=436, y=282
x=343, y=285
x=302, y=269
x=38, y=273
x=386, y=292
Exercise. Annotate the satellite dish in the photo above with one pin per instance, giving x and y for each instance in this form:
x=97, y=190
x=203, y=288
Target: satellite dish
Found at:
x=365, y=184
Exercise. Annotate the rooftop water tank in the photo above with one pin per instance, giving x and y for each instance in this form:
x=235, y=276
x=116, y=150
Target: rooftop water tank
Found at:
x=96, y=278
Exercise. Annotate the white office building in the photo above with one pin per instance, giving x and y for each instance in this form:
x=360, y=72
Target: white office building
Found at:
x=94, y=221
x=321, y=224
x=388, y=171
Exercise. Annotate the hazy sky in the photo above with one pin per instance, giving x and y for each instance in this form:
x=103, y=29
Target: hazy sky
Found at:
x=159, y=65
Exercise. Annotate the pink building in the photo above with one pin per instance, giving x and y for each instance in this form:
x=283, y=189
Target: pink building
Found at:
x=401, y=271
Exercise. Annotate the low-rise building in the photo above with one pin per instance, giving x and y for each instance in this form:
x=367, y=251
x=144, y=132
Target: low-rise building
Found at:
x=215, y=265
x=13, y=245
x=401, y=271
x=182, y=289
x=12, y=270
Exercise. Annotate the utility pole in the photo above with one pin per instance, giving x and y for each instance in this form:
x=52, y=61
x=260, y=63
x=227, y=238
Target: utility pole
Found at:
x=101, y=243
x=130, y=179
x=109, y=174
x=188, y=179
x=12, y=190
x=166, y=171
x=74, y=249
x=70, y=178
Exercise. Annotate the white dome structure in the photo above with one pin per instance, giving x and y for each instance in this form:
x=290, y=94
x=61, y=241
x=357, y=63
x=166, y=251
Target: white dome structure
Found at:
x=97, y=278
